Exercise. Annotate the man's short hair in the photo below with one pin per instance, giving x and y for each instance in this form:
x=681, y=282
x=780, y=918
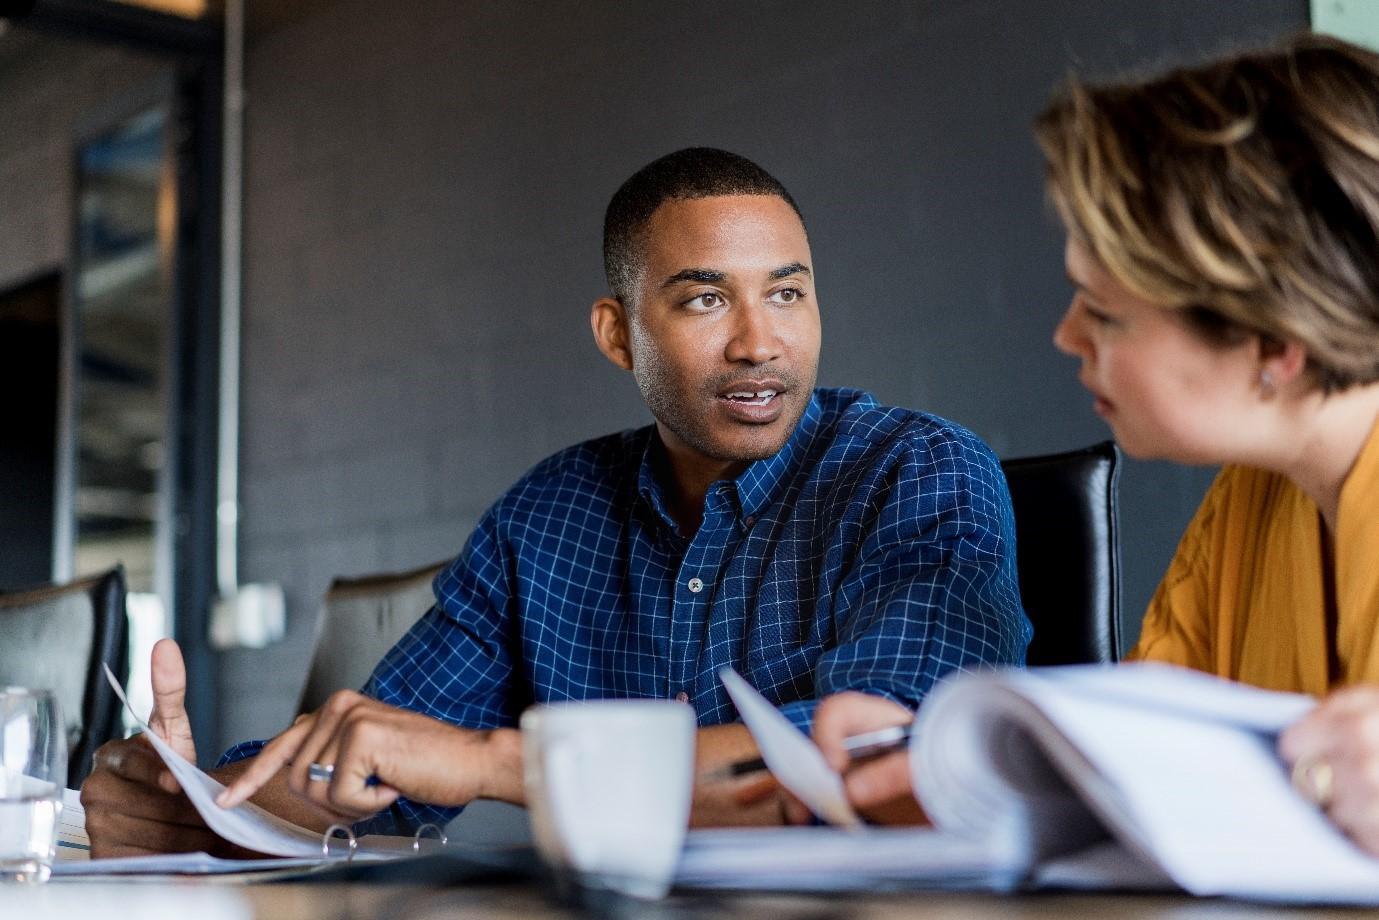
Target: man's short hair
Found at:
x=695, y=172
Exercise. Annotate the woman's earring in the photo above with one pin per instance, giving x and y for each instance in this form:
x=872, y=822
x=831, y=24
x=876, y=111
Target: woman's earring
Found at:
x=1266, y=384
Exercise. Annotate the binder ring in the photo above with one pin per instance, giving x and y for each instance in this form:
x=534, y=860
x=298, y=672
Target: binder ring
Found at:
x=416, y=838
x=330, y=831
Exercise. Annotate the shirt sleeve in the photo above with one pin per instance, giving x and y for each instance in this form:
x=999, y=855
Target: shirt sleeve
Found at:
x=1176, y=627
x=934, y=588
x=455, y=664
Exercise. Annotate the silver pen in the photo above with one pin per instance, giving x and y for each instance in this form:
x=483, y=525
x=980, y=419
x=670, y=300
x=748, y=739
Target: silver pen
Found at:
x=859, y=747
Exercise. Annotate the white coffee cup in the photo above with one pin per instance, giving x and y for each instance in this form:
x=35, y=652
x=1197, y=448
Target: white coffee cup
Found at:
x=608, y=789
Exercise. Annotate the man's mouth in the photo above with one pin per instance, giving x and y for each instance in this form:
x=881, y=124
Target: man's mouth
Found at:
x=750, y=397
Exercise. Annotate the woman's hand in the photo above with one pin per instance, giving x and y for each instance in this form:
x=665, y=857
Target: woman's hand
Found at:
x=879, y=789
x=1334, y=751
x=380, y=752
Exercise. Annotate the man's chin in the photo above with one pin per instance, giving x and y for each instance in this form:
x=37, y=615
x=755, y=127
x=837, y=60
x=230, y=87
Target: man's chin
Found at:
x=750, y=446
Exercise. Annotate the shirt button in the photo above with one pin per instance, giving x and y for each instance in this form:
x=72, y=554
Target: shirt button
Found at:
x=695, y=585
x=682, y=697
x=751, y=522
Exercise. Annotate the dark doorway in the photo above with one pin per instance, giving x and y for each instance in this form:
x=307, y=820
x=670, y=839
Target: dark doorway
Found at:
x=29, y=375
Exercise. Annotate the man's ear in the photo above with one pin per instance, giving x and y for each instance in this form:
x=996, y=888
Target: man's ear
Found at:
x=612, y=334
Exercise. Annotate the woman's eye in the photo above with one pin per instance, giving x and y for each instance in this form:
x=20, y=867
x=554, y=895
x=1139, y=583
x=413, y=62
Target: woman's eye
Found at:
x=706, y=301
x=1096, y=314
x=787, y=295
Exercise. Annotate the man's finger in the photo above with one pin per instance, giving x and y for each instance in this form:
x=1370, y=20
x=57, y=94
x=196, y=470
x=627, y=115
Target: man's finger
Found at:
x=324, y=729
x=169, y=717
x=880, y=781
x=348, y=790
x=756, y=790
x=850, y=713
x=135, y=760
x=131, y=834
x=275, y=755
x=108, y=795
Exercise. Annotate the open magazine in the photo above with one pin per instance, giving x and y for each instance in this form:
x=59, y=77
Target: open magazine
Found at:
x=1137, y=776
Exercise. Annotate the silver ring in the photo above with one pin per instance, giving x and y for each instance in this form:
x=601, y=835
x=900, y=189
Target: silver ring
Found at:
x=320, y=772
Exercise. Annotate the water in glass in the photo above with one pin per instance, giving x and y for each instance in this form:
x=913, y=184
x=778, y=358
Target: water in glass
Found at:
x=33, y=772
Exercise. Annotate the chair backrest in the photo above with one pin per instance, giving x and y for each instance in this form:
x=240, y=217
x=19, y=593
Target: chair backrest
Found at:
x=57, y=637
x=1068, y=553
x=361, y=619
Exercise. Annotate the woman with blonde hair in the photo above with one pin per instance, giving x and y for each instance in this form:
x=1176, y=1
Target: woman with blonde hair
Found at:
x=1223, y=242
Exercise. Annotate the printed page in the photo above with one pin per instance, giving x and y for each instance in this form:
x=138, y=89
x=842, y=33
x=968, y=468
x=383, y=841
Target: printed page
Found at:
x=250, y=826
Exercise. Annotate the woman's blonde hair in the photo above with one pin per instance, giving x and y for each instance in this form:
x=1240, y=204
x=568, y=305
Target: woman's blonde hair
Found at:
x=1243, y=193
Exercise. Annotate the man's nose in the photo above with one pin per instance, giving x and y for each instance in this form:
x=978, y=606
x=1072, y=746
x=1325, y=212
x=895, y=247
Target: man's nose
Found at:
x=755, y=339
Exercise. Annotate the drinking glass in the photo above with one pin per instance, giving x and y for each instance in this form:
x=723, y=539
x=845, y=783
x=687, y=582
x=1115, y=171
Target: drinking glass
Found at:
x=33, y=773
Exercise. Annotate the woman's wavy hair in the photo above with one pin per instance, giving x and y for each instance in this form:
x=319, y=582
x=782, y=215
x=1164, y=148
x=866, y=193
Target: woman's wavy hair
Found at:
x=1243, y=193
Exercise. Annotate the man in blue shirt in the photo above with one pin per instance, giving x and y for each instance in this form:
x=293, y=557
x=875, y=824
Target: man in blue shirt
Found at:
x=813, y=539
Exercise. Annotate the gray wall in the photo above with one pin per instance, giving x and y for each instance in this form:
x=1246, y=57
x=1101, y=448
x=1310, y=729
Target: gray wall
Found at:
x=426, y=185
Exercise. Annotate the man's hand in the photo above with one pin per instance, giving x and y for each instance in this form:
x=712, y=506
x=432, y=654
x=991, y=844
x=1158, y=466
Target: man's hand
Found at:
x=133, y=804
x=379, y=752
x=879, y=789
x=1337, y=746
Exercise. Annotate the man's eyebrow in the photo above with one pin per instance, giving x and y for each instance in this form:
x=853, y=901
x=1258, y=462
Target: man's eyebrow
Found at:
x=794, y=268
x=696, y=275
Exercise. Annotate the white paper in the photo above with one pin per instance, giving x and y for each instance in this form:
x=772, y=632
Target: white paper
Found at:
x=1181, y=768
x=250, y=826
x=72, y=842
x=831, y=859
x=180, y=864
x=792, y=758
x=1205, y=796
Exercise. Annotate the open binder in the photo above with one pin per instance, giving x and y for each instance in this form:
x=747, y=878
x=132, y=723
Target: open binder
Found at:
x=290, y=848
x=1137, y=776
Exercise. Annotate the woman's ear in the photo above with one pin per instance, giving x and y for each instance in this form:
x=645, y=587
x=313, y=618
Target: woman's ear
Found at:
x=1281, y=361
x=609, y=320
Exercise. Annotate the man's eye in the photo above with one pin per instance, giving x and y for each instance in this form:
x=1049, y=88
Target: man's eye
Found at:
x=706, y=301
x=787, y=295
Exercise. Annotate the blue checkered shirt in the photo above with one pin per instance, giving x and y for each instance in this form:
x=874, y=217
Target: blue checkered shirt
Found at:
x=874, y=552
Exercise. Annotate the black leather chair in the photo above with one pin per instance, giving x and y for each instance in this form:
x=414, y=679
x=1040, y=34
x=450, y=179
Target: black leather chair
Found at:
x=57, y=637
x=360, y=620
x=1068, y=553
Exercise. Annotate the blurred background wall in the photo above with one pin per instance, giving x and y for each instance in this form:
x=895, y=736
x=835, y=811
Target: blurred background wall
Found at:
x=425, y=188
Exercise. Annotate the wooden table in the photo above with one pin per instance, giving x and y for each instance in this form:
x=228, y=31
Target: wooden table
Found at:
x=203, y=900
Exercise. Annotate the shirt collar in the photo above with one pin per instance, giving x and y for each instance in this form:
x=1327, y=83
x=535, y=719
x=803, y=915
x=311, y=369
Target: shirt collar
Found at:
x=755, y=487
x=762, y=480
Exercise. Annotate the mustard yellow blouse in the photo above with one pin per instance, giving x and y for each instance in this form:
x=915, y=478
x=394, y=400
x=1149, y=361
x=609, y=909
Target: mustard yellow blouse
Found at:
x=1243, y=596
